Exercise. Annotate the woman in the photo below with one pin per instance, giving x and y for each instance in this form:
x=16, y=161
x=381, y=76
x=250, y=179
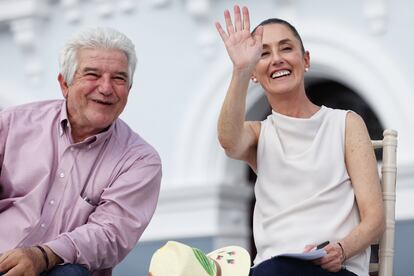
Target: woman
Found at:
x=316, y=171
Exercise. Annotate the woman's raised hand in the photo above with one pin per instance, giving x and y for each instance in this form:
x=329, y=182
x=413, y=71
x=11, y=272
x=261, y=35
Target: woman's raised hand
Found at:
x=243, y=48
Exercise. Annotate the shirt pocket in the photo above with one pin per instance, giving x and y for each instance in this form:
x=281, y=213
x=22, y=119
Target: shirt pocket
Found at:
x=79, y=214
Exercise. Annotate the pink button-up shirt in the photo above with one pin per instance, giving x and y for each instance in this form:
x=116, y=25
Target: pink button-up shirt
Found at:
x=89, y=201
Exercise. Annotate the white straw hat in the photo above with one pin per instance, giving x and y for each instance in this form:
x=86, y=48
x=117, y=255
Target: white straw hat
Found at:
x=177, y=259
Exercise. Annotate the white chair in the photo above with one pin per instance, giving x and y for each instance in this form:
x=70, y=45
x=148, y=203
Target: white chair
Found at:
x=384, y=267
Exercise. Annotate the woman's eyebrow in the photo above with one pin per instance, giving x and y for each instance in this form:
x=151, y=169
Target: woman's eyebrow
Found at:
x=283, y=41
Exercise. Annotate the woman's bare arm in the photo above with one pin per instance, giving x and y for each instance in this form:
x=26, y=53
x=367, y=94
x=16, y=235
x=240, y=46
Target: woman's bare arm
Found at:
x=237, y=137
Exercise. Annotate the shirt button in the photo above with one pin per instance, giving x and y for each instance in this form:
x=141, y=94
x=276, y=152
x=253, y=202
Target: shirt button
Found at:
x=62, y=175
x=42, y=225
x=52, y=202
x=72, y=149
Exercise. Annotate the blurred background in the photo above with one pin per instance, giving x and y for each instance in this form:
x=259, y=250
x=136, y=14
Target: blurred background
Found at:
x=361, y=59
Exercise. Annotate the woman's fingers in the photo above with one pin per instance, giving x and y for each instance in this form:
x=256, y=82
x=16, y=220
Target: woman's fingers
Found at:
x=308, y=248
x=222, y=33
x=237, y=18
x=246, y=19
x=258, y=35
x=333, y=266
x=241, y=23
x=229, y=23
x=331, y=261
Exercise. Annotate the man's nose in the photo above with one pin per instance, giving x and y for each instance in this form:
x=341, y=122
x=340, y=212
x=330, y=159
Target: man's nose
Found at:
x=105, y=85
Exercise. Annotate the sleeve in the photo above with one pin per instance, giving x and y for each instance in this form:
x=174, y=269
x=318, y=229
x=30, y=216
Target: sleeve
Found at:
x=4, y=132
x=2, y=142
x=3, y=137
x=113, y=229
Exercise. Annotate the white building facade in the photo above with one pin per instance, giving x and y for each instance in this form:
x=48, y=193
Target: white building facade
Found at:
x=182, y=75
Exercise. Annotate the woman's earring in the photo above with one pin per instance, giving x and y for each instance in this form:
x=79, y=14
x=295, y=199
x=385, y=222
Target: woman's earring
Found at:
x=254, y=80
x=306, y=69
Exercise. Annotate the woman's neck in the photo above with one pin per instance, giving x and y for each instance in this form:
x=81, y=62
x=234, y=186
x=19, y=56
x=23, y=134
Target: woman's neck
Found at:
x=293, y=105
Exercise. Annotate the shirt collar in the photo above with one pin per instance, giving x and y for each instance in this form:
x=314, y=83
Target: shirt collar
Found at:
x=64, y=127
x=63, y=120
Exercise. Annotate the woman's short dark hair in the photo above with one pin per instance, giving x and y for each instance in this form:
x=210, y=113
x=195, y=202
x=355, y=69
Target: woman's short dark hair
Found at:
x=283, y=22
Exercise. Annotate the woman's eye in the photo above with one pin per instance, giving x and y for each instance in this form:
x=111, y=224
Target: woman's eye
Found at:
x=286, y=48
x=264, y=54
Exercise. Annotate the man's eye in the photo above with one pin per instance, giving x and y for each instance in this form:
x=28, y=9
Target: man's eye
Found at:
x=91, y=75
x=264, y=54
x=120, y=80
x=286, y=48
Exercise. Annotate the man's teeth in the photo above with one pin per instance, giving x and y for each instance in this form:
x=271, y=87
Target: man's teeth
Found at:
x=280, y=74
x=101, y=102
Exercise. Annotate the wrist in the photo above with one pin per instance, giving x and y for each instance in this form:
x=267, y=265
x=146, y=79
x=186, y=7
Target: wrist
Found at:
x=44, y=257
x=53, y=258
x=341, y=246
x=242, y=72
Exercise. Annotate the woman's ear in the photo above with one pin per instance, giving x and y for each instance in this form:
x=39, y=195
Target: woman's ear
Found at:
x=306, y=57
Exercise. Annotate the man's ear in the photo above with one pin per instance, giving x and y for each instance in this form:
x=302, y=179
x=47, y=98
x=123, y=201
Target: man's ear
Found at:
x=63, y=86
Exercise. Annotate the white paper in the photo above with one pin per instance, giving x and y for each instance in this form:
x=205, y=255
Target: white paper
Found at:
x=311, y=255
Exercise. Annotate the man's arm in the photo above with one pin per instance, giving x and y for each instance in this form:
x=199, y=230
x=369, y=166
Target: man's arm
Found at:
x=115, y=226
x=111, y=231
x=4, y=129
x=27, y=261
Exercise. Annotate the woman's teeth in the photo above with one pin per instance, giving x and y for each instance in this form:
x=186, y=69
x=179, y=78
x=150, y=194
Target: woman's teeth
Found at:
x=281, y=73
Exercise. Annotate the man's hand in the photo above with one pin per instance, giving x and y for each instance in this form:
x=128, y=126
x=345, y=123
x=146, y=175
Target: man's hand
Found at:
x=22, y=262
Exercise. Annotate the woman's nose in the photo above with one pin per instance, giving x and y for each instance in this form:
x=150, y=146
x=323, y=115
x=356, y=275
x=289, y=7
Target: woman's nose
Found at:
x=276, y=58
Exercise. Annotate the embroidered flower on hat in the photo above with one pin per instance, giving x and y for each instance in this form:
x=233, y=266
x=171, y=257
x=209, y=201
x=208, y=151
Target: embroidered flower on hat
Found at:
x=226, y=254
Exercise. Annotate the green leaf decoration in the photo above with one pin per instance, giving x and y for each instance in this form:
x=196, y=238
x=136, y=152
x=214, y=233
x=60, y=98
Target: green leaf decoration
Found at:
x=205, y=262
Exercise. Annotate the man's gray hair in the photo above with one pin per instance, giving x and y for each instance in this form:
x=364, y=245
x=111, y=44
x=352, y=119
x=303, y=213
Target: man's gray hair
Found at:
x=95, y=38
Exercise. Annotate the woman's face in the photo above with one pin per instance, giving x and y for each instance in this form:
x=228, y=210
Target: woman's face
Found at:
x=282, y=65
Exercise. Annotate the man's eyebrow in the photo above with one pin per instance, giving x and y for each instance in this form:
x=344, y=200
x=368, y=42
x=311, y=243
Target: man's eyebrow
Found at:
x=89, y=69
x=124, y=74
x=92, y=69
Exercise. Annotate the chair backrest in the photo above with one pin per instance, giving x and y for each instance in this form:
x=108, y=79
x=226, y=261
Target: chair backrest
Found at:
x=388, y=182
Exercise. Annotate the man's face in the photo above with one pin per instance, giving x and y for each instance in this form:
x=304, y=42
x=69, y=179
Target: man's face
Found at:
x=99, y=91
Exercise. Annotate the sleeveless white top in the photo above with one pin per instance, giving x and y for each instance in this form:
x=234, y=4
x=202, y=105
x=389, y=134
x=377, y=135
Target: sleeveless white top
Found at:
x=303, y=190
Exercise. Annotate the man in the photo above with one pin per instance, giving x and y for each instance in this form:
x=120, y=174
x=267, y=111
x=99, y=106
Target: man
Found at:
x=78, y=186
